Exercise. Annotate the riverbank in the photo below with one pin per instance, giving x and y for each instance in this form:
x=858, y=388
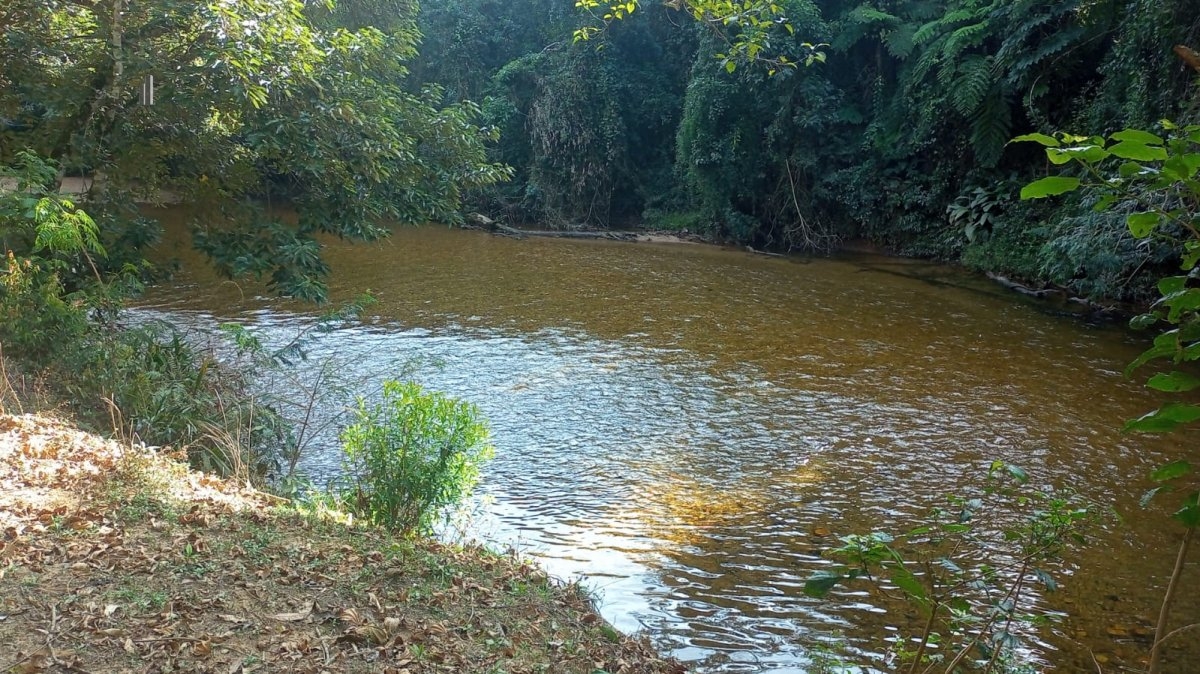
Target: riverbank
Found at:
x=118, y=558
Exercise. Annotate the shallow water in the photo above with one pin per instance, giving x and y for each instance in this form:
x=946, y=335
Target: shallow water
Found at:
x=688, y=428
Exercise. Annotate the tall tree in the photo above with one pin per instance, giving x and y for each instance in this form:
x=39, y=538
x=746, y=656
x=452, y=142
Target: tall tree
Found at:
x=254, y=99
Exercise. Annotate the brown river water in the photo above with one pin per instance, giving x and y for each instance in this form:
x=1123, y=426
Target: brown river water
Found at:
x=687, y=428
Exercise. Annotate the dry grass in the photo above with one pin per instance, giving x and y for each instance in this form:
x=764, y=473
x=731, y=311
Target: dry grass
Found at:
x=117, y=559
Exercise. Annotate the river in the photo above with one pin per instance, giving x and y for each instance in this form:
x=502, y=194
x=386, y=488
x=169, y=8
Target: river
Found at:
x=688, y=428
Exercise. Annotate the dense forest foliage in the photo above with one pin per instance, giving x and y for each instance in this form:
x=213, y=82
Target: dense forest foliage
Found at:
x=900, y=137
x=256, y=103
x=231, y=109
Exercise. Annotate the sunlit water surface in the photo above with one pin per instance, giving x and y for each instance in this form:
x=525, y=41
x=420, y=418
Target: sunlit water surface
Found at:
x=687, y=428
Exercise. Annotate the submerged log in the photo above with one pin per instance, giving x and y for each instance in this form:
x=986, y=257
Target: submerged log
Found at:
x=569, y=234
x=1044, y=293
x=756, y=251
x=1024, y=289
x=481, y=221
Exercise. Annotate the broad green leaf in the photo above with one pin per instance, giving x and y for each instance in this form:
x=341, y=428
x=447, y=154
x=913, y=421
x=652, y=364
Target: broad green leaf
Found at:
x=1040, y=138
x=1017, y=472
x=1189, y=514
x=1173, y=382
x=730, y=66
x=1191, y=255
x=1089, y=154
x=1182, y=167
x=1138, y=151
x=1165, y=419
x=1130, y=168
x=1137, y=136
x=1104, y=203
x=1172, y=470
x=1050, y=186
x=1143, y=321
x=906, y=581
x=820, y=583
x=1171, y=284
x=1057, y=157
x=1179, y=303
x=1141, y=225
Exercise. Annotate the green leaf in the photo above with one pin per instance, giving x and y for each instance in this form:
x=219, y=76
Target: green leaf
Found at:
x=1049, y=186
x=1138, y=151
x=1143, y=321
x=1189, y=514
x=1104, y=203
x=1130, y=168
x=1017, y=472
x=1182, y=167
x=1040, y=138
x=1173, y=382
x=820, y=583
x=1141, y=225
x=1171, y=471
x=1089, y=154
x=1181, y=303
x=906, y=581
x=1165, y=419
x=1137, y=136
x=1046, y=579
x=1191, y=254
x=1171, y=285
x=730, y=66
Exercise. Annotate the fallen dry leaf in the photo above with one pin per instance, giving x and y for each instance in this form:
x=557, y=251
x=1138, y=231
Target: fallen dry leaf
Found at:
x=295, y=617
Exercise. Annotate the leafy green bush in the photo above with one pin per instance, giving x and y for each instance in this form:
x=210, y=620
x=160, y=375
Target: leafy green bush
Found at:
x=1150, y=180
x=970, y=567
x=60, y=300
x=412, y=456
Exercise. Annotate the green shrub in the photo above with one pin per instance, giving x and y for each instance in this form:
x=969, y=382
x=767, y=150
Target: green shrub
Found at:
x=412, y=456
x=61, y=326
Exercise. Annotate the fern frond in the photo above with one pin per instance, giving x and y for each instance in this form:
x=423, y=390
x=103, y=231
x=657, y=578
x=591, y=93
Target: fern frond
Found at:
x=928, y=32
x=924, y=10
x=973, y=83
x=1029, y=34
x=899, y=41
x=964, y=38
x=870, y=15
x=849, y=34
x=991, y=128
x=958, y=16
x=922, y=66
x=1019, y=69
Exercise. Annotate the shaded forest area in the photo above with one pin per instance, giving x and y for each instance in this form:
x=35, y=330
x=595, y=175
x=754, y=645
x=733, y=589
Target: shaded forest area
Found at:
x=900, y=137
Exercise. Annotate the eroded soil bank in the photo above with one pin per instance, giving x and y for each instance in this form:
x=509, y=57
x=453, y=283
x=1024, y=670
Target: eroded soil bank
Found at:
x=116, y=558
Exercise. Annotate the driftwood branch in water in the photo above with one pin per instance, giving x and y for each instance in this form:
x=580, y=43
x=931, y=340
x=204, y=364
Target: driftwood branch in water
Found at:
x=763, y=252
x=1024, y=290
x=495, y=227
x=1046, y=292
x=567, y=234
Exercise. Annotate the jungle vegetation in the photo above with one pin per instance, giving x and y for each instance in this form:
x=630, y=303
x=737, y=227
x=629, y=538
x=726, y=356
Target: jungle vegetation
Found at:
x=789, y=126
x=900, y=136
